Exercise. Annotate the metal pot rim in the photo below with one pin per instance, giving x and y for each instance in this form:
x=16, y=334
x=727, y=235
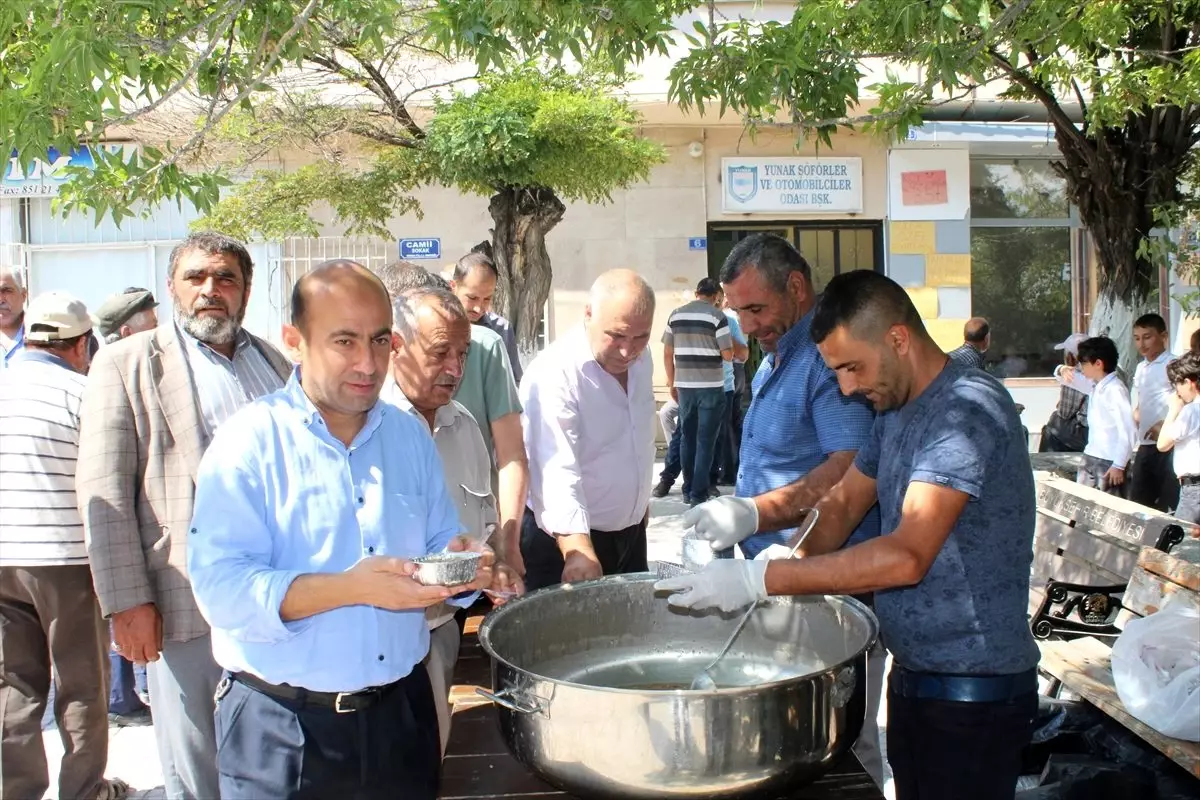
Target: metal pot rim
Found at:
x=640, y=577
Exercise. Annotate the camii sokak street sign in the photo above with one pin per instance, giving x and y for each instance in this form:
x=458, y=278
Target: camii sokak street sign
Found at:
x=43, y=176
x=792, y=185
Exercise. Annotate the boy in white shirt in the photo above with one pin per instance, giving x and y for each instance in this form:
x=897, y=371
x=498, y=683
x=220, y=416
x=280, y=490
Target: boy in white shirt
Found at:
x=1181, y=432
x=1112, y=436
x=1152, y=482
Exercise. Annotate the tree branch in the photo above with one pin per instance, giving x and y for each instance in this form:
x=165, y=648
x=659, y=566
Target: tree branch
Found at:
x=394, y=104
x=1062, y=121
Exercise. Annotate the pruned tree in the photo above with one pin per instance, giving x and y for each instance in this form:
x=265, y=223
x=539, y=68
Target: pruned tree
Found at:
x=1127, y=70
x=366, y=88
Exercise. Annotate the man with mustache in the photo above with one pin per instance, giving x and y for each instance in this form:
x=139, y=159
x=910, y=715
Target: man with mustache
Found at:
x=152, y=404
x=947, y=463
x=310, y=506
x=12, y=313
x=434, y=333
x=589, y=431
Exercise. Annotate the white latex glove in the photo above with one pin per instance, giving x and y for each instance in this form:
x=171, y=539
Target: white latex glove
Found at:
x=724, y=521
x=774, y=552
x=726, y=583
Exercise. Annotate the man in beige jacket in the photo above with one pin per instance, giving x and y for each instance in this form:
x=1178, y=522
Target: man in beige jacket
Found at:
x=152, y=404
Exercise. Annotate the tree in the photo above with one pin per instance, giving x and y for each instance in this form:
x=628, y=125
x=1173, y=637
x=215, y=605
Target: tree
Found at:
x=1131, y=67
x=527, y=137
x=226, y=83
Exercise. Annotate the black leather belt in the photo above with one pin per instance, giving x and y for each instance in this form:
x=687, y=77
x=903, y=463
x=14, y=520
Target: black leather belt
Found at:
x=341, y=702
x=1189, y=480
x=962, y=688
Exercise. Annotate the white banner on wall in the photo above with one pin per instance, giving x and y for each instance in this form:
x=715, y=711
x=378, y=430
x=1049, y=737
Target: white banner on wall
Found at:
x=792, y=185
x=929, y=184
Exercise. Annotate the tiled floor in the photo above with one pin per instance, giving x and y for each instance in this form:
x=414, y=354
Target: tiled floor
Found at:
x=133, y=755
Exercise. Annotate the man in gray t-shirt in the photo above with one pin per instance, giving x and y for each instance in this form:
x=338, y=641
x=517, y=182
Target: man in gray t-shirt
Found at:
x=947, y=464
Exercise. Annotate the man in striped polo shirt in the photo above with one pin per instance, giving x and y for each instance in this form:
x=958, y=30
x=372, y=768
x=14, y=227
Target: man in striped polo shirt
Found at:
x=696, y=344
x=49, y=614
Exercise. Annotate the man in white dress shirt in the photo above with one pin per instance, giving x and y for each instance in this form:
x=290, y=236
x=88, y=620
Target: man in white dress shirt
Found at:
x=1152, y=482
x=589, y=422
x=1112, y=436
x=433, y=333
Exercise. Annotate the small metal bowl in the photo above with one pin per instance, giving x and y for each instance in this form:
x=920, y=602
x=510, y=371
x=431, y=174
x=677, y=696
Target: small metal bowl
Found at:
x=447, y=569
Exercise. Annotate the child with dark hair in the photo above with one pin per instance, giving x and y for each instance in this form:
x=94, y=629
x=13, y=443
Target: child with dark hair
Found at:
x=1181, y=433
x=1112, y=436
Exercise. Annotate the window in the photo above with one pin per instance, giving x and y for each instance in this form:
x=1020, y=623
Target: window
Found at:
x=1021, y=267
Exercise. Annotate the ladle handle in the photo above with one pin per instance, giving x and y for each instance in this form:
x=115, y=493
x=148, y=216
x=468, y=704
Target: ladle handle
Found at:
x=499, y=698
x=810, y=522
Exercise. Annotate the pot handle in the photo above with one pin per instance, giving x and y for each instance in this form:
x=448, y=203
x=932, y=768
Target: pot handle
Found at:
x=501, y=698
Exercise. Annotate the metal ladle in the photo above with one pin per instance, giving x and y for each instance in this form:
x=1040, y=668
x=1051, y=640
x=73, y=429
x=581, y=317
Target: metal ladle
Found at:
x=704, y=682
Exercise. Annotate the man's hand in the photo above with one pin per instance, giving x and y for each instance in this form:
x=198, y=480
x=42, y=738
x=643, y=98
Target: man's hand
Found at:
x=1115, y=476
x=579, y=558
x=506, y=584
x=724, y=521
x=387, y=582
x=484, y=574
x=674, y=394
x=725, y=583
x=138, y=633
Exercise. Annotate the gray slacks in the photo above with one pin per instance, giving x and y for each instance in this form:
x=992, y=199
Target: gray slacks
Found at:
x=182, y=685
x=443, y=655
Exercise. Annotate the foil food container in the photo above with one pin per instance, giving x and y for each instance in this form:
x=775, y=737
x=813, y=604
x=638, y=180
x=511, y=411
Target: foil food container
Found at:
x=447, y=569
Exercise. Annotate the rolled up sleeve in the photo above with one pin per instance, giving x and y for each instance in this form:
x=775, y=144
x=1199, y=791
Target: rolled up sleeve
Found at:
x=229, y=553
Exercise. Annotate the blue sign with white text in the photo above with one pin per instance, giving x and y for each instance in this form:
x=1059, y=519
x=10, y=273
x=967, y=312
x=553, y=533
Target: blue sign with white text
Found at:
x=420, y=248
x=698, y=243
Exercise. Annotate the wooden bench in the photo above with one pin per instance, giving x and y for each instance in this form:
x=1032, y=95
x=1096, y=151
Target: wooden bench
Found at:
x=1086, y=546
x=1084, y=665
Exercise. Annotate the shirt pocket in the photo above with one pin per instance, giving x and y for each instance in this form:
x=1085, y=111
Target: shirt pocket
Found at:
x=786, y=425
x=476, y=509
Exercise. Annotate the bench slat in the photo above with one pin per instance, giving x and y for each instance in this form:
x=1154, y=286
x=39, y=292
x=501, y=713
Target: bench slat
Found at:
x=1174, y=569
x=1147, y=593
x=1085, y=667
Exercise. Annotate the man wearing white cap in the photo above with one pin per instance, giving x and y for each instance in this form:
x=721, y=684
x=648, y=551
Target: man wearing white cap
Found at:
x=49, y=615
x=1066, y=431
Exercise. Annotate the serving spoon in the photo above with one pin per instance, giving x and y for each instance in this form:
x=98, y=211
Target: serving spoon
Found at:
x=703, y=682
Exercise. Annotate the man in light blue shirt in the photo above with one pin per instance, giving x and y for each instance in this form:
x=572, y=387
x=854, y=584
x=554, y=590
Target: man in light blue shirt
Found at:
x=310, y=504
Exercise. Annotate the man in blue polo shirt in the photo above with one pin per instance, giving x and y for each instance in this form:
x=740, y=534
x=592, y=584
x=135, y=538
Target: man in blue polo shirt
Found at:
x=800, y=434
x=948, y=466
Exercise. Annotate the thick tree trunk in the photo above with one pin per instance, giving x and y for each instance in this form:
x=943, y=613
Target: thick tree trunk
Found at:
x=522, y=219
x=1116, y=177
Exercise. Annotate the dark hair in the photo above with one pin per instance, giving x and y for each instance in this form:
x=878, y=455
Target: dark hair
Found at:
x=400, y=276
x=1152, y=321
x=61, y=345
x=480, y=257
x=1099, y=348
x=707, y=287
x=1184, y=368
x=320, y=273
x=213, y=243
x=976, y=330
x=771, y=255
x=867, y=302
x=1195, y=343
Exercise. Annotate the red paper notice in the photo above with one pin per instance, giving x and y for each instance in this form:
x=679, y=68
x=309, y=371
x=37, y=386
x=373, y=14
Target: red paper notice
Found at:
x=924, y=188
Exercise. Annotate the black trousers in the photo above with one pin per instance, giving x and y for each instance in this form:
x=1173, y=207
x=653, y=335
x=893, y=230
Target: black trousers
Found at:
x=269, y=748
x=620, y=552
x=942, y=750
x=1153, y=482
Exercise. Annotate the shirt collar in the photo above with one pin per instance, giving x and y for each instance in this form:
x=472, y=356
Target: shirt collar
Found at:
x=240, y=341
x=444, y=417
x=17, y=342
x=295, y=397
x=796, y=335
x=1109, y=378
x=43, y=356
x=1162, y=358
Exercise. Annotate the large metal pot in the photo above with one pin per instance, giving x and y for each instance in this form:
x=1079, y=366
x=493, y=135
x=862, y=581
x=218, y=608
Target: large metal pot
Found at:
x=585, y=678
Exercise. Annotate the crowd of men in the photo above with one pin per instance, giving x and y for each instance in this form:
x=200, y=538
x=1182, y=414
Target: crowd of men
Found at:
x=245, y=518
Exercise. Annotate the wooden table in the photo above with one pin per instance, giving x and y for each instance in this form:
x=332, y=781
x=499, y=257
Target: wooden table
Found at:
x=479, y=765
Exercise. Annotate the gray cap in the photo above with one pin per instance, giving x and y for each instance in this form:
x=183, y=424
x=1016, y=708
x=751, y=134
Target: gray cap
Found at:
x=118, y=309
